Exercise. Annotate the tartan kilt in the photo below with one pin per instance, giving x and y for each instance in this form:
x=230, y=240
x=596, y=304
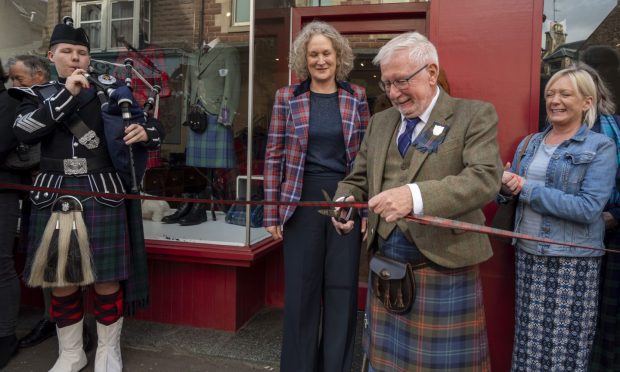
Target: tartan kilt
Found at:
x=213, y=148
x=444, y=330
x=107, y=234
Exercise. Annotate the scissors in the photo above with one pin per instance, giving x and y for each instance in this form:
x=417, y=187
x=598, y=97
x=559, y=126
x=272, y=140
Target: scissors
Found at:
x=337, y=214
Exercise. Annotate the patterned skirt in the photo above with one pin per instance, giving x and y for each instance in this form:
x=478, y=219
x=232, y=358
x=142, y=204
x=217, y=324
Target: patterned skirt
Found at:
x=445, y=328
x=107, y=234
x=556, y=309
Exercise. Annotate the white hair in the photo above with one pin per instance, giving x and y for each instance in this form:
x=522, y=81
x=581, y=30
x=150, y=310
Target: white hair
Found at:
x=421, y=50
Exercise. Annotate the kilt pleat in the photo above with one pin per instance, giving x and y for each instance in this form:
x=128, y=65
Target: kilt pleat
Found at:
x=444, y=330
x=107, y=234
x=556, y=309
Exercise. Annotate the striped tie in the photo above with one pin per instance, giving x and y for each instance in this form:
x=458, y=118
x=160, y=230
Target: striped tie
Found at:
x=404, y=140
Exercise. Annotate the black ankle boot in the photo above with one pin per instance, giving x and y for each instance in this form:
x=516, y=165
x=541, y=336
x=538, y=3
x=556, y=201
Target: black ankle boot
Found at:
x=8, y=348
x=197, y=215
x=181, y=212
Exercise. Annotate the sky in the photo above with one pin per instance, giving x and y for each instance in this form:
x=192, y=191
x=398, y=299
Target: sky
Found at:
x=582, y=16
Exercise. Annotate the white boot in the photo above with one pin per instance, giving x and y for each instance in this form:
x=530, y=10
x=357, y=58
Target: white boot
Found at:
x=71, y=355
x=108, y=357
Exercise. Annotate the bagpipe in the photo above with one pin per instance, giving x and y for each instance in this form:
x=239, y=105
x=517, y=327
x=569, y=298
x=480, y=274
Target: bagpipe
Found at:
x=120, y=109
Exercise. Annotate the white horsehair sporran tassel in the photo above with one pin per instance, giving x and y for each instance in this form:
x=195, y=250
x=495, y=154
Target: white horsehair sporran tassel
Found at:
x=63, y=257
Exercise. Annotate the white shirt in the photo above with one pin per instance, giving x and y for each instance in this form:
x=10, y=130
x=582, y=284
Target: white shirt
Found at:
x=418, y=204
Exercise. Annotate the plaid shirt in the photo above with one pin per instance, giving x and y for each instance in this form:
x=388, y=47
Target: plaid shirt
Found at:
x=288, y=142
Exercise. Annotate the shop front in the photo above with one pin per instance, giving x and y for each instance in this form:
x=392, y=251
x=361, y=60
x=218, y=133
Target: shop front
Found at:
x=218, y=64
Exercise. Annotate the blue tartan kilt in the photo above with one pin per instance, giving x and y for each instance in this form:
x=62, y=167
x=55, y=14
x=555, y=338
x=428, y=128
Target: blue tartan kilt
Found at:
x=107, y=234
x=445, y=329
x=213, y=148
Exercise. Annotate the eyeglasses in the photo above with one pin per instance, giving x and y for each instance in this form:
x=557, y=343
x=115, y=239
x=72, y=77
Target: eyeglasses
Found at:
x=399, y=84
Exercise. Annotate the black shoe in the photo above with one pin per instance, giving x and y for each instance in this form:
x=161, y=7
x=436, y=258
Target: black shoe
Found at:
x=181, y=212
x=196, y=216
x=43, y=330
x=8, y=348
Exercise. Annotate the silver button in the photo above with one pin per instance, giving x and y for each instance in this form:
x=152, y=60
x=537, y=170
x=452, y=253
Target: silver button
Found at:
x=75, y=144
x=45, y=194
x=57, y=109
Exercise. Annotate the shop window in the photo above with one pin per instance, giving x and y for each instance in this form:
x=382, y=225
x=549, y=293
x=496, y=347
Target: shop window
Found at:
x=111, y=24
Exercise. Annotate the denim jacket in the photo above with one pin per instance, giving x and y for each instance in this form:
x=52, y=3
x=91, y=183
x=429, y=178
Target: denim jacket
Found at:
x=578, y=182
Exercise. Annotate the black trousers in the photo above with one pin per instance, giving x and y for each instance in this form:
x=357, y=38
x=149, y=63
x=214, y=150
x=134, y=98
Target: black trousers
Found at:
x=321, y=280
x=9, y=283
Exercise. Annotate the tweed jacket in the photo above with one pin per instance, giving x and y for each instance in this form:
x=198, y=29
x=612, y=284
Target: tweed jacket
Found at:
x=214, y=79
x=456, y=181
x=287, y=142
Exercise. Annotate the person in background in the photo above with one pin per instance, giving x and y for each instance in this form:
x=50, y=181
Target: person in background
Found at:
x=9, y=205
x=436, y=155
x=26, y=71
x=564, y=180
x=606, y=348
x=315, y=132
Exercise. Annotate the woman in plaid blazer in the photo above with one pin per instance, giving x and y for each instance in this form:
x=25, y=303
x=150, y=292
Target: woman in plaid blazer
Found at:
x=315, y=132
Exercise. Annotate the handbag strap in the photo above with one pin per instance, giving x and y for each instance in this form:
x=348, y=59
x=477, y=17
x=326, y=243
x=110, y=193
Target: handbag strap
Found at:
x=525, y=143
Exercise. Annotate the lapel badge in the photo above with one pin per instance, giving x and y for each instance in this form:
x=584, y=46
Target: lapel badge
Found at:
x=106, y=79
x=437, y=129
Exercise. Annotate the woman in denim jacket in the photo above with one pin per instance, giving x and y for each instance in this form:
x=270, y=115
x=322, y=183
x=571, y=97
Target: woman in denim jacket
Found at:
x=564, y=179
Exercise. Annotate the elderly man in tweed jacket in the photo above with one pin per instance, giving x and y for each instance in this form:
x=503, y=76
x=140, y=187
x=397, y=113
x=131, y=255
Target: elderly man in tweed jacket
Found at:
x=436, y=155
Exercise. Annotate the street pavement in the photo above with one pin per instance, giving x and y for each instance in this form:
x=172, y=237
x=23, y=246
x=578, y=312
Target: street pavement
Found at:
x=149, y=346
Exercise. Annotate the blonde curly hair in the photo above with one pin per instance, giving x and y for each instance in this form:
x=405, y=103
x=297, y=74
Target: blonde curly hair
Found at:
x=344, y=53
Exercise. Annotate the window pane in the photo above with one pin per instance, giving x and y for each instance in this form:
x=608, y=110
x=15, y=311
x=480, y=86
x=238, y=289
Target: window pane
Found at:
x=90, y=12
x=121, y=31
x=122, y=9
x=93, y=30
x=242, y=11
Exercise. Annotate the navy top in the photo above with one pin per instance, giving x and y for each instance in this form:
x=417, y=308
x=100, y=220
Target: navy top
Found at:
x=326, y=149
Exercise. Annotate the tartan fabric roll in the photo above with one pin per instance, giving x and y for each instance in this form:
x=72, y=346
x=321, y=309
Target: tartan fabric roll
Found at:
x=445, y=328
x=556, y=308
x=214, y=148
x=107, y=234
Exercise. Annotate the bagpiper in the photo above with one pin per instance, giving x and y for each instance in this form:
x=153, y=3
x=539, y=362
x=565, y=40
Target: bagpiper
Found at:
x=76, y=240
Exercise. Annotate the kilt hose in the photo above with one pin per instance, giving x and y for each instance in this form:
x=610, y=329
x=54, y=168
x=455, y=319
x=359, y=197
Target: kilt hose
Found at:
x=556, y=309
x=445, y=328
x=213, y=148
x=107, y=234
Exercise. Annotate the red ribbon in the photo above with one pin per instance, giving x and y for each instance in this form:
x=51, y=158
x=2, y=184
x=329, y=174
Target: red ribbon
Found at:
x=421, y=219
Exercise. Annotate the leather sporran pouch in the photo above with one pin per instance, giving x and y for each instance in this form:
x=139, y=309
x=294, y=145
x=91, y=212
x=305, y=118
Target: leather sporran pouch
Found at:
x=393, y=284
x=197, y=119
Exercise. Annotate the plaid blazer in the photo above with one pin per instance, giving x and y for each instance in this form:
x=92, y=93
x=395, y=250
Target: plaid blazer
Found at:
x=287, y=142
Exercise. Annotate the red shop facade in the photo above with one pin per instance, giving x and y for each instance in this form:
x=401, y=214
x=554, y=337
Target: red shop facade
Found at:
x=489, y=49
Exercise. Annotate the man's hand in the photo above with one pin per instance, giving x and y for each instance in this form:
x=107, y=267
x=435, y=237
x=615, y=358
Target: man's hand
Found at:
x=392, y=204
x=275, y=231
x=343, y=228
x=76, y=82
x=135, y=133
